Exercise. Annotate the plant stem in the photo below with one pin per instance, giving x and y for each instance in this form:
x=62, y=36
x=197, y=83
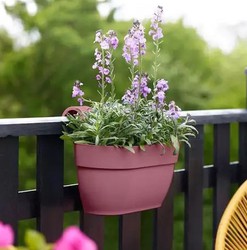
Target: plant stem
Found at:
x=103, y=78
x=112, y=76
x=155, y=63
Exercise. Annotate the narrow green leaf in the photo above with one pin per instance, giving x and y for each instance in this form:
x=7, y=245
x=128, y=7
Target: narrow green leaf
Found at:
x=175, y=143
x=130, y=149
x=35, y=240
x=97, y=140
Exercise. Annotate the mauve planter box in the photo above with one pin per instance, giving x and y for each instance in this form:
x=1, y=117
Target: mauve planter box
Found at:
x=115, y=181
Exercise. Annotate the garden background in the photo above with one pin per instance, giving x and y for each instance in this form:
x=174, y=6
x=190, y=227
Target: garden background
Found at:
x=36, y=80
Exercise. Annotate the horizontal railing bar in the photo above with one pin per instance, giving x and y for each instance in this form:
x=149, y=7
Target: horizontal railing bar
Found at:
x=53, y=125
x=28, y=199
x=217, y=116
x=32, y=120
x=71, y=198
x=31, y=126
x=27, y=204
x=31, y=129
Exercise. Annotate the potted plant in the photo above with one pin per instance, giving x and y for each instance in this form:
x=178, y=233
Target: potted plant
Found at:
x=125, y=150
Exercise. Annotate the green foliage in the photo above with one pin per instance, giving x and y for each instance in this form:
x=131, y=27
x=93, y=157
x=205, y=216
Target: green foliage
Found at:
x=36, y=241
x=120, y=125
x=228, y=84
x=6, y=44
x=43, y=69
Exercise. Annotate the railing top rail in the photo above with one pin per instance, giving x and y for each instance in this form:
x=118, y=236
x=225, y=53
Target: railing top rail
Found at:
x=217, y=116
x=31, y=126
x=32, y=120
x=53, y=125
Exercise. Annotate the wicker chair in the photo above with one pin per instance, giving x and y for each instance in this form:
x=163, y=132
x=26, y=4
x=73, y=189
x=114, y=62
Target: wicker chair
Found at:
x=232, y=230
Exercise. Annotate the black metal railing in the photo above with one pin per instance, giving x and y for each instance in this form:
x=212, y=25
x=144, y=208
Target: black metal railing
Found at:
x=51, y=198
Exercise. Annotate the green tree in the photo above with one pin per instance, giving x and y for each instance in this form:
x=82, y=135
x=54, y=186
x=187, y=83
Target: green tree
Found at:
x=42, y=72
x=231, y=79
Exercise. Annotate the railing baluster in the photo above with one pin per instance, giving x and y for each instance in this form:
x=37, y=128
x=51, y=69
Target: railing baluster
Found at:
x=93, y=226
x=242, y=152
x=194, y=192
x=163, y=224
x=222, y=172
x=9, y=181
x=130, y=231
x=50, y=185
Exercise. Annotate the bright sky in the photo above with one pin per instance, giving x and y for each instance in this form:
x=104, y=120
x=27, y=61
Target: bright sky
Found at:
x=219, y=22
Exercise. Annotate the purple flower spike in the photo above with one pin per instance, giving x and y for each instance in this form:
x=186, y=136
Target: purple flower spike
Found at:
x=156, y=31
x=98, y=36
x=134, y=44
x=159, y=90
x=112, y=39
x=144, y=89
x=129, y=97
x=103, y=55
x=105, y=44
x=77, y=92
x=173, y=111
x=139, y=88
x=162, y=85
x=80, y=100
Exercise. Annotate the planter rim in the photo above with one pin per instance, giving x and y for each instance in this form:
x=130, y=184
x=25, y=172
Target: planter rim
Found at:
x=121, y=147
x=111, y=157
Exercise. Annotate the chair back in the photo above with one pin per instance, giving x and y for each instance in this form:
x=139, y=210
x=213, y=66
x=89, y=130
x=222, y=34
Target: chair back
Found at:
x=232, y=230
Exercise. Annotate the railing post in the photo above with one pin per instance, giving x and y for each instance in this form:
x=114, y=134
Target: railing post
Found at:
x=50, y=185
x=245, y=71
x=194, y=193
x=242, y=173
x=93, y=226
x=129, y=231
x=222, y=179
x=9, y=181
x=163, y=223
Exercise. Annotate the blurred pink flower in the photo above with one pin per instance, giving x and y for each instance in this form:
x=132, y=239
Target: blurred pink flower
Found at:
x=74, y=239
x=6, y=235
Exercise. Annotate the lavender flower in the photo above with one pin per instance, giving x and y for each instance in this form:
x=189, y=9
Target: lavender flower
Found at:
x=173, y=111
x=80, y=100
x=144, y=89
x=129, y=97
x=134, y=44
x=112, y=39
x=139, y=88
x=77, y=92
x=159, y=90
x=108, y=41
x=103, y=56
x=156, y=31
x=162, y=85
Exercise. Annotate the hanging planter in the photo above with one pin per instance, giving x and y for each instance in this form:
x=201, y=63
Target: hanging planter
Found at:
x=115, y=181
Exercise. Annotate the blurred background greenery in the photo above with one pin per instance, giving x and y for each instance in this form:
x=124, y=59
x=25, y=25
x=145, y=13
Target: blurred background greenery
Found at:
x=36, y=80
